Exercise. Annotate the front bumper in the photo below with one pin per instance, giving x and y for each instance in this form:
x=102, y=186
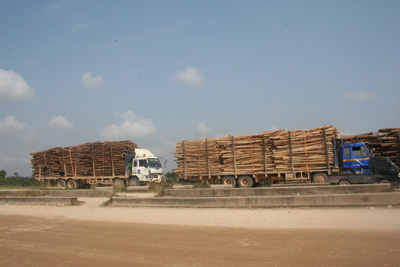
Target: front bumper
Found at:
x=157, y=178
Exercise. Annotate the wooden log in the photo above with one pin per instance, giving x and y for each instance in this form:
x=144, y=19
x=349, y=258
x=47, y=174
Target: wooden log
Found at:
x=88, y=159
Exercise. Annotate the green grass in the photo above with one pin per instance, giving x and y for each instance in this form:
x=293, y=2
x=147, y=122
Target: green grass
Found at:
x=122, y=189
x=12, y=182
x=157, y=188
x=93, y=186
x=200, y=186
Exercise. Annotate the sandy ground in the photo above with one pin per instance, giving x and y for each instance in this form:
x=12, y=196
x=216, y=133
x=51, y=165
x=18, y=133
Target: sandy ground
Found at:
x=93, y=235
x=366, y=218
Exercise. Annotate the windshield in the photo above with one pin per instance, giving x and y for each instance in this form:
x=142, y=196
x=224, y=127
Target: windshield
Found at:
x=393, y=165
x=154, y=163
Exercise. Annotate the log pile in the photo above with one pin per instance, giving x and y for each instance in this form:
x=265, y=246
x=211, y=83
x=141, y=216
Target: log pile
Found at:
x=385, y=142
x=90, y=159
x=274, y=151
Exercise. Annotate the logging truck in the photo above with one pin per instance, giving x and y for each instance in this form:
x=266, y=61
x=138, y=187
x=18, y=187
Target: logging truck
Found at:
x=118, y=163
x=314, y=155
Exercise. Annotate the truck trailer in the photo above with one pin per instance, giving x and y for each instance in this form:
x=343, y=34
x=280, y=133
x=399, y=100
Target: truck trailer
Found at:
x=311, y=155
x=118, y=163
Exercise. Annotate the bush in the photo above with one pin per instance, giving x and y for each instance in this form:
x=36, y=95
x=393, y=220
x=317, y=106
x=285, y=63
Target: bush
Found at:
x=200, y=186
x=158, y=188
x=172, y=178
x=122, y=189
x=16, y=182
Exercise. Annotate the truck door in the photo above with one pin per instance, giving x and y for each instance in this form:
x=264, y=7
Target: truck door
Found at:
x=356, y=157
x=384, y=169
x=142, y=168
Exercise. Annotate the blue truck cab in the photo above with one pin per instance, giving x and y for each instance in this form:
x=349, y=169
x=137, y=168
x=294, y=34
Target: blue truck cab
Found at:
x=357, y=165
x=356, y=158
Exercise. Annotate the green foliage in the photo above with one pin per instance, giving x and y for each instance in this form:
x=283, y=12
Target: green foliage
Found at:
x=16, y=182
x=120, y=190
x=158, y=188
x=200, y=186
x=172, y=178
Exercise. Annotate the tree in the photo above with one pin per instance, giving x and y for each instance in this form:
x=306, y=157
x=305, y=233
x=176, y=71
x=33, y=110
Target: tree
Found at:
x=3, y=173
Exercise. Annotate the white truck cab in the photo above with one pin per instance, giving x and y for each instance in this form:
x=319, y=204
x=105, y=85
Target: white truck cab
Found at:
x=146, y=167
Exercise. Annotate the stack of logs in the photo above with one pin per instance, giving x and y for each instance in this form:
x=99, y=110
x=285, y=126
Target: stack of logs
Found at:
x=274, y=151
x=90, y=159
x=385, y=142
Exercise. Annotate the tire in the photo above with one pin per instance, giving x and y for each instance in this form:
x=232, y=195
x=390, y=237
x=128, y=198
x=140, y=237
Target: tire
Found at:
x=134, y=182
x=71, y=184
x=245, y=181
x=344, y=182
x=228, y=180
x=118, y=183
x=60, y=183
x=384, y=181
x=320, y=178
x=209, y=181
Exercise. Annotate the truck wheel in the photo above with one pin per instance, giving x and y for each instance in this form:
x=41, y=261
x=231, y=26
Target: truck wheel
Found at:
x=209, y=182
x=229, y=180
x=60, y=183
x=134, y=182
x=384, y=181
x=118, y=183
x=71, y=184
x=245, y=181
x=320, y=178
x=344, y=182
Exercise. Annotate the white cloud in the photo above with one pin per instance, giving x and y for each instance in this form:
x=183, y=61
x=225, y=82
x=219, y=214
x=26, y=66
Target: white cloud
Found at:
x=202, y=129
x=13, y=87
x=59, y=7
x=90, y=81
x=131, y=127
x=358, y=96
x=10, y=159
x=60, y=122
x=10, y=125
x=81, y=27
x=191, y=77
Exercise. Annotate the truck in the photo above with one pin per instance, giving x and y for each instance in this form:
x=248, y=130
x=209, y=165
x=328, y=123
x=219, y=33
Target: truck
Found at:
x=358, y=165
x=117, y=163
x=314, y=155
x=381, y=170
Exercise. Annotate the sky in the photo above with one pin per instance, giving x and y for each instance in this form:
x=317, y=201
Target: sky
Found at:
x=157, y=72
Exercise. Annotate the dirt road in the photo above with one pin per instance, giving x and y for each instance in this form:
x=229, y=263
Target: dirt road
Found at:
x=91, y=235
x=41, y=241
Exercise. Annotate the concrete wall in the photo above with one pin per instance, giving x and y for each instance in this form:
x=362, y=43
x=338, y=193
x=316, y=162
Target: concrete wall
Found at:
x=337, y=200
x=278, y=191
x=39, y=201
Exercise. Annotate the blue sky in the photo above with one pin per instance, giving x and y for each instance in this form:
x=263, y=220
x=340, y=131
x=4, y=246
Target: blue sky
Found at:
x=156, y=72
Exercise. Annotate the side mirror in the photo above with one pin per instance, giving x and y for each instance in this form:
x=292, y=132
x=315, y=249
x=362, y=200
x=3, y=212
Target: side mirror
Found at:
x=165, y=162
